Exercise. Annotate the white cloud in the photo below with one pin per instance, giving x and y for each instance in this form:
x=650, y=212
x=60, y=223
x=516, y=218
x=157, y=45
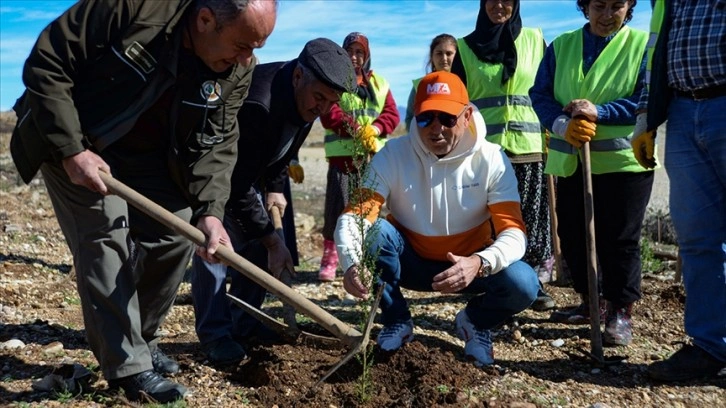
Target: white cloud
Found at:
x=15, y=49
x=40, y=11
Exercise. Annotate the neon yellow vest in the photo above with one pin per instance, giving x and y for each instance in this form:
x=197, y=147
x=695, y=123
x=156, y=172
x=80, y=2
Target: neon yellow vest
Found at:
x=613, y=75
x=656, y=21
x=336, y=146
x=507, y=109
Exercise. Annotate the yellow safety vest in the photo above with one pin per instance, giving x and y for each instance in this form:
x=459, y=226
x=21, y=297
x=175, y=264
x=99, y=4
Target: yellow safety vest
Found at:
x=656, y=21
x=364, y=114
x=507, y=109
x=613, y=75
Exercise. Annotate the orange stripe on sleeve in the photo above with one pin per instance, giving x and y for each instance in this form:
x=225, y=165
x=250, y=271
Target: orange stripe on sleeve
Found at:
x=365, y=203
x=507, y=214
x=436, y=247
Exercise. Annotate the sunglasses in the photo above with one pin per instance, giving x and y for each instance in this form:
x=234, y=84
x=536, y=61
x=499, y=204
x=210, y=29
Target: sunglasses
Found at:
x=425, y=119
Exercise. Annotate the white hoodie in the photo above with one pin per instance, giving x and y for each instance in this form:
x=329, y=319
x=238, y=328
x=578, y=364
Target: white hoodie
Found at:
x=441, y=205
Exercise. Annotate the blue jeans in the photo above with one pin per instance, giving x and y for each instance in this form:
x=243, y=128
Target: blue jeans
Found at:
x=216, y=317
x=498, y=297
x=695, y=159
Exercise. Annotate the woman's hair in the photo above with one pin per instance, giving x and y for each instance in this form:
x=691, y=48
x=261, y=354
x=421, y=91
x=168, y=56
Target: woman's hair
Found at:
x=441, y=38
x=583, y=4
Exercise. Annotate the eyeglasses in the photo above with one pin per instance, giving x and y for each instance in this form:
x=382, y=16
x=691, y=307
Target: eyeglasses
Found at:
x=425, y=119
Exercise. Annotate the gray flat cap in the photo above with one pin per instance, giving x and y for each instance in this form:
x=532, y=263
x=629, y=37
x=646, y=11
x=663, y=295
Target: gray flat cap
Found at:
x=329, y=63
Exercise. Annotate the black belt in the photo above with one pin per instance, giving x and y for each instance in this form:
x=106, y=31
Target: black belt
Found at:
x=703, y=94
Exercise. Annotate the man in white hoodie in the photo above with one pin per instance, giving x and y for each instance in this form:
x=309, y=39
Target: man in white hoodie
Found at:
x=455, y=223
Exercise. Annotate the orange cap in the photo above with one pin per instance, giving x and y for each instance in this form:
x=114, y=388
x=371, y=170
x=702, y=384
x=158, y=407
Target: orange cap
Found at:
x=441, y=91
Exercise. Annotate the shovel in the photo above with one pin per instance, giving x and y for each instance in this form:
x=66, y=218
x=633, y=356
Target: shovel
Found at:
x=345, y=333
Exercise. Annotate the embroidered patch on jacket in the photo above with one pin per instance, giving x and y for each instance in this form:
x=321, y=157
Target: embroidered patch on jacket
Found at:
x=210, y=91
x=137, y=54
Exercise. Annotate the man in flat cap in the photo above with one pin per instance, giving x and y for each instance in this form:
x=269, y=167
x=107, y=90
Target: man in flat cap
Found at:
x=283, y=101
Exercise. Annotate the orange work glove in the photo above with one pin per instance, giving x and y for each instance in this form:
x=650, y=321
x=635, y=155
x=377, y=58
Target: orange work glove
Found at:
x=579, y=131
x=546, y=147
x=643, y=143
x=296, y=172
x=368, y=135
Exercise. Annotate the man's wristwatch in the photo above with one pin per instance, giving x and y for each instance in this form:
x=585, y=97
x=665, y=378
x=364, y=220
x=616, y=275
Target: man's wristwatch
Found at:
x=485, y=269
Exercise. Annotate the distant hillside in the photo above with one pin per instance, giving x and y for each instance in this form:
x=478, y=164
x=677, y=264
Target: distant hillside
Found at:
x=402, y=112
x=315, y=138
x=317, y=133
x=7, y=121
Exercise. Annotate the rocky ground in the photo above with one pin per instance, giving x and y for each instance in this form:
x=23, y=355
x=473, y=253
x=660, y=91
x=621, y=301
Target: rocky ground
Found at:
x=539, y=363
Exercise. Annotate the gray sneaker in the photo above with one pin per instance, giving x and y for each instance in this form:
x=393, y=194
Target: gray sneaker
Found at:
x=478, y=342
x=394, y=336
x=543, y=302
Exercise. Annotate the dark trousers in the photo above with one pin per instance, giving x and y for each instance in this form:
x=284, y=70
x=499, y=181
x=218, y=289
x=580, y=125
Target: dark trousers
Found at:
x=215, y=315
x=128, y=266
x=620, y=201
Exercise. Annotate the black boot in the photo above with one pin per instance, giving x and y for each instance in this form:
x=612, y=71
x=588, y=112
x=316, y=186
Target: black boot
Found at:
x=162, y=363
x=688, y=363
x=149, y=385
x=579, y=314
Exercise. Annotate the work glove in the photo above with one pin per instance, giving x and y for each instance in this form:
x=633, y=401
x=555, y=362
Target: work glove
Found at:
x=546, y=147
x=368, y=135
x=643, y=142
x=579, y=131
x=576, y=131
x=296, y=172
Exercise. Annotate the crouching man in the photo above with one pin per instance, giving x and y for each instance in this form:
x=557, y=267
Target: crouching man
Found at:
x=455, y=224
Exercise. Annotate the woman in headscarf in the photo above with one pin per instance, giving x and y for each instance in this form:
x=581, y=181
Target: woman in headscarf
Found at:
x=369, y=113
x=498, y=62
x=441, y=55
x=587, y=90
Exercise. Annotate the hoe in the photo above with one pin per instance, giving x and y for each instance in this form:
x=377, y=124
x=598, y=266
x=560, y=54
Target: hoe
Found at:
x=343, y=333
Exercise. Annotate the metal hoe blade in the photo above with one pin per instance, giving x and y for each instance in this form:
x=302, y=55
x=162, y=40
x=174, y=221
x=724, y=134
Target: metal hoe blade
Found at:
x=363, y=343
x=348, y=335
x=269, y=321
x=287, y=332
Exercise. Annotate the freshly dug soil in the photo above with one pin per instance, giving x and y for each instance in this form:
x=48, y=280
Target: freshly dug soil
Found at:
x=538, y=363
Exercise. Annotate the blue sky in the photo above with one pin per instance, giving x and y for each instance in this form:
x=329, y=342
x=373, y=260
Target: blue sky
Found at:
x=399, y=31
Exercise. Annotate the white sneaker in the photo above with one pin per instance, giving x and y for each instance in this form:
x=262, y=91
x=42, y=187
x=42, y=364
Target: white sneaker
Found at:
x=478, y=342
x=394, y=336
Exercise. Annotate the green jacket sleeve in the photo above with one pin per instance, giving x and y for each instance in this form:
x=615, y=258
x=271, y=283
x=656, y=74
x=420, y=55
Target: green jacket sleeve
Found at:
x=64, y=48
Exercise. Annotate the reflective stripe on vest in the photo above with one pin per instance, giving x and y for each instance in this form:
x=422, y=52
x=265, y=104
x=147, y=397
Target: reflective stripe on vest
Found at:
x=595, y=146
x=351, y=104
x=613, y=75
x=656, y=21
x=507, y=109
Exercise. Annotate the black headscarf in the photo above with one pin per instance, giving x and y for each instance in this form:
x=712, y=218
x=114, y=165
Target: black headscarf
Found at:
x=494, y=43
